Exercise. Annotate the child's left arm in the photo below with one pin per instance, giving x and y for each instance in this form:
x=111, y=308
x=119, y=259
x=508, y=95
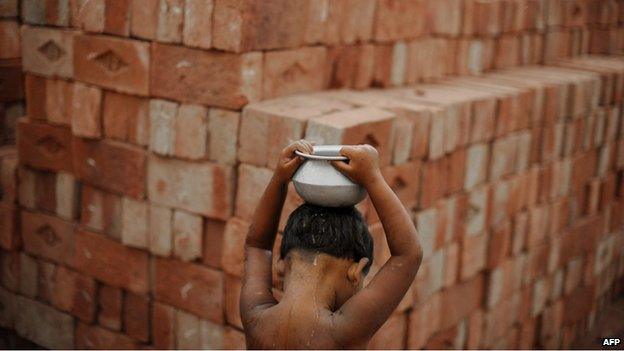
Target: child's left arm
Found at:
x=257, y=280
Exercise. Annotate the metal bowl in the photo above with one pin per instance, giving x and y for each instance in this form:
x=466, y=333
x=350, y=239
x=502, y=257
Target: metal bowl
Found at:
x=319, y=183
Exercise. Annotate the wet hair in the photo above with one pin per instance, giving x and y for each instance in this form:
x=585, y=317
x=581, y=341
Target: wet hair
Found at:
x=337, y=231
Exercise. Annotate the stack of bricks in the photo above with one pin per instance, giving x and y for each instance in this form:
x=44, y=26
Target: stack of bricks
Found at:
x=11, y=82
x=145, y=147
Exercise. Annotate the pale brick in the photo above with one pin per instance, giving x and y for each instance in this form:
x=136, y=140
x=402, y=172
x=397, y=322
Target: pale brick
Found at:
x=44, y=325
x=66, y=195
x=190, y=132
x=476, y=165
x=187, y=236
x=134, y=223
x=211, y=335
x=198, y=23
x=162, y=119
x=8, y=308
x=47, y=51
x=250, y=180
x=170, y=18
x=28, y=276
x=160, y=234
x=188, y=332
x=223, y=135
x=477, y=211
x=86, y=111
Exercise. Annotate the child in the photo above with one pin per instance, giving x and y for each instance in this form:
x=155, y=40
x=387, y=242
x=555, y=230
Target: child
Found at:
x=325, y=255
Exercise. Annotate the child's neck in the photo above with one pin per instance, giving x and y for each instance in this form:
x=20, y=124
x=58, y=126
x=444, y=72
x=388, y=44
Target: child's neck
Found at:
x=309, y=284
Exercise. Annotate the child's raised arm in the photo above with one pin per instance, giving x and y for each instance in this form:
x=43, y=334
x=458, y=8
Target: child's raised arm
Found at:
x=257, y=282
x=362, y=315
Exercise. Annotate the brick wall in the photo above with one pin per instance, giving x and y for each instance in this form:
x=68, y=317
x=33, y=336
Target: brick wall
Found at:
x=151, y=128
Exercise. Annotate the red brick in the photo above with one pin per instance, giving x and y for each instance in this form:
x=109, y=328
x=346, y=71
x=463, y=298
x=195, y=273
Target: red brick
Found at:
x=214, y=231
x=163, y=326
x=110, y=165
x=100, y=211
x=58, y=101
x=35, y=92
x=118, y=64
x=205, y=189
x=9, y=9
x=144, y=19
x=482, y=17
x=391, y=335
x=10, y=45
x=110, y=307
x=293, y=71
x=223, y=127
x=404, y=180
x=191, y=287
x=94, y=337
x=198, y=23
x=434, y=177
x=12, y=87
x=187, y=235
x=498, y=244
x=117, y=17
x=460, y=301
x=7, y=309
x=48, y=237
x=43, y=146
x=86, y=111
x=423, y=322
x=398, y=19
x=250, y=178
x=232, y=300
x=233, y=256
x=578, y=304
x=474, y=255
x=257, y=25
x=136, y=316
x=45, y=281
x=74, y=293
x=190, y=132
x=111, y=262
x=9, y=234
x=48, y=51
x=10, y=269
x=178, y=73
x=360, y=126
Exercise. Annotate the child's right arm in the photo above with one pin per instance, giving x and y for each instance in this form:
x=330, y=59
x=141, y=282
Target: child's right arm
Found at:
x=362, y=315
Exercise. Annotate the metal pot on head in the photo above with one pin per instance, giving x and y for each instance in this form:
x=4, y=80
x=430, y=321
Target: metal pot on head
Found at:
x=319, y=183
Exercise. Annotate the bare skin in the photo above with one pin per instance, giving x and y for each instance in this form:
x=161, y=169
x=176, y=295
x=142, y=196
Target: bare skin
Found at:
x=324, y=304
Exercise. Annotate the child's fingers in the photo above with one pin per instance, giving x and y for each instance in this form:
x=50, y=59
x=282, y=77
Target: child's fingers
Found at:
x=342, y=167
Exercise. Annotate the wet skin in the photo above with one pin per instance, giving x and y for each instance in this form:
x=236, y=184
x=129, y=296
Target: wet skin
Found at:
x=324, y=304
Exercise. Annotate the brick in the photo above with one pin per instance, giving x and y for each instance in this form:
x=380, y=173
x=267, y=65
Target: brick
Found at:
x=28, y=276
x=188, y=335
x=134, y=223
x=426, y=52
x=43, y=146
x=391, y=335
x=191, y=132
x=198, y=23
x=117, y=17
x=214, y=231
x=10, y=45
x=359, y=126
x=267, y=127
x=498, y=245
x=476, y=165
x=144, y=18
x=250, y=178
x=160, y=234
x=136, y=316
x=86, y=110
x=48, y=237
x=9, y=8
x=191, y=287
x=232, y=300
x=424, y=320
x=109, y=307
x=88, y=15
x=293, y=71
x=399, y=20
x=205, y=189
x=95, y=337
x=8, y=175
x=58, y=101
x=460, y=301
x=35, y=92
x=252, y=25
x=434, y=175
x=170, y=18
x=474, y=255
x=48, y=52
x=8, y=307
x=354, y=65
x=12, y=88
x=74, y=293
x=404, y=180
x=111, y=262
x=163, y=326
x=45, y=281
x=482, y=17
x=233, y=256
x=211, y=335
x=233, y=339
x=43, y=324
x=223, y=127
x=118, y=64
x=451, y=265
x=162, y=132
x=187, y=236
x=178, y=73
x=101, y=211
x=110, y=165
x=444, y=17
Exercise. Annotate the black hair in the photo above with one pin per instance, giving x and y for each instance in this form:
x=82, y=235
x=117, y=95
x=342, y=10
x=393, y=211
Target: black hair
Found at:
x=337, y=231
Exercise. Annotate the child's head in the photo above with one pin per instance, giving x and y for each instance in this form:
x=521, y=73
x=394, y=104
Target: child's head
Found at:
x=338, y=237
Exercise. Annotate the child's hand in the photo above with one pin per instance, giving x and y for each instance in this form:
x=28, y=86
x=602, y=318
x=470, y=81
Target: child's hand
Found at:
x=363, y=166
x=288, y=162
